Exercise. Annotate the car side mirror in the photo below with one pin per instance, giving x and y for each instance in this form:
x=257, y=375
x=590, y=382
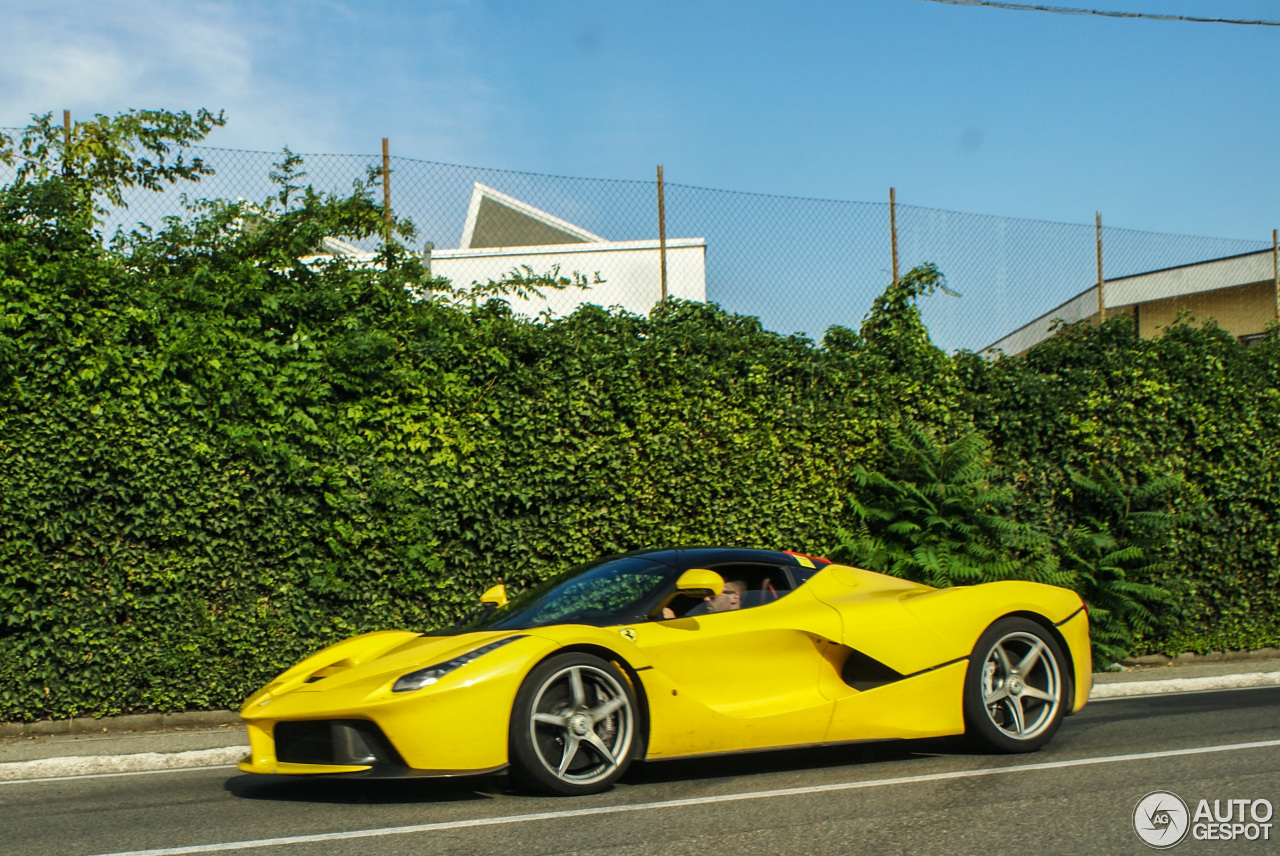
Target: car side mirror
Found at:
x=494, y=597
x=700, y=582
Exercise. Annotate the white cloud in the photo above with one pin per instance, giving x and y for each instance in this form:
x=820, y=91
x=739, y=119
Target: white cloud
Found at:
x=98, y=57
x=317, y=76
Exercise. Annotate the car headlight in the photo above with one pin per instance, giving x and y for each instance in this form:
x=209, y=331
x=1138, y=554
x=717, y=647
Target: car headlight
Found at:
x=428, y=676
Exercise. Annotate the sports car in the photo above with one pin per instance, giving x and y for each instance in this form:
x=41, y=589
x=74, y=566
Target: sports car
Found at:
x=674, y=653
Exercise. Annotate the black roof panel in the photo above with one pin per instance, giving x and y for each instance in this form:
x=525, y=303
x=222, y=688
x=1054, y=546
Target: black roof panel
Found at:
x=683, y=558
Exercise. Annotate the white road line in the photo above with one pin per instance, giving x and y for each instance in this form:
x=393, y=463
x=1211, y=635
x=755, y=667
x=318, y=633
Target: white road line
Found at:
x=319, y=838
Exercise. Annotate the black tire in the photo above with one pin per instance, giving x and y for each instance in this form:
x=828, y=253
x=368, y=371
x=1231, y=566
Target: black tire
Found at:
x=1018, y=687
x=573, y=726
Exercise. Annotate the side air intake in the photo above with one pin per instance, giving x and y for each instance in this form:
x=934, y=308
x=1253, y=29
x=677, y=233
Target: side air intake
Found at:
x=866, y=673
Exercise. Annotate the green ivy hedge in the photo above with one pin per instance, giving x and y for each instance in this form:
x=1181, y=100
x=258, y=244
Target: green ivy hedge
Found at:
x=1192, y=403
x=215, y=458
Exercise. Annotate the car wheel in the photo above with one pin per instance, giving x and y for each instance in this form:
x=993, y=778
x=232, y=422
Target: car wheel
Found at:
x=1016, y=690
x=573, y=726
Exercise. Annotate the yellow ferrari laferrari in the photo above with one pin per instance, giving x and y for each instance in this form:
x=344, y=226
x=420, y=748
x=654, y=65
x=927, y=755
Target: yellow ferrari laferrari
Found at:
x=677, y=653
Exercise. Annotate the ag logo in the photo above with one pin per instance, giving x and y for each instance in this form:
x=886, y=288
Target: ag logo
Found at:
x=1161, y=819
x=628, y=634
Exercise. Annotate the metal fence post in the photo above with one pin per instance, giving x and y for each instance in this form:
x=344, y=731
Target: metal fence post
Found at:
x=662, y=232
x=1275, y=269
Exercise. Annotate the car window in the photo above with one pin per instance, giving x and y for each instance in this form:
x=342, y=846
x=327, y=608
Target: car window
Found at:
x=761, y=584
x=746, y=585
x=805, y=567
x=611, y=592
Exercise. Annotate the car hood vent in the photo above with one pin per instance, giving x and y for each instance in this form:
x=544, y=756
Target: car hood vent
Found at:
x=332, y=669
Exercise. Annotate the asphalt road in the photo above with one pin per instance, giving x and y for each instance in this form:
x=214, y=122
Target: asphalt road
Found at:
x=1075, y=796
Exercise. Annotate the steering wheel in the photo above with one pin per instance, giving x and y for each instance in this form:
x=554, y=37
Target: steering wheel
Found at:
x=768, y=593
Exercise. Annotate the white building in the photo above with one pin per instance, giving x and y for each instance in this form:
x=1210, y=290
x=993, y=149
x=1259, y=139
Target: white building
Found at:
x=502, y=234
x=1238, y=293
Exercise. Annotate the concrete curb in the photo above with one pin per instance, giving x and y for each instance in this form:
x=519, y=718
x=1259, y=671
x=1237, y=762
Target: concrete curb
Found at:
x=1132, y=689
x=89, y=765
x=143, y=762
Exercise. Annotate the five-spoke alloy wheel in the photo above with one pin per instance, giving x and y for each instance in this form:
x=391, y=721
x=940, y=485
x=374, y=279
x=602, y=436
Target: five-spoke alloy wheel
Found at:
x=573, y=726
x=1017, y=688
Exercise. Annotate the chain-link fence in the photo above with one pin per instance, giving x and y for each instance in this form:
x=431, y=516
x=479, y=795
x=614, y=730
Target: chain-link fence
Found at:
x=800, y=265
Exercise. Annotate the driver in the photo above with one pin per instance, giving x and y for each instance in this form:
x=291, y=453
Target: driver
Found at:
x=729, y=599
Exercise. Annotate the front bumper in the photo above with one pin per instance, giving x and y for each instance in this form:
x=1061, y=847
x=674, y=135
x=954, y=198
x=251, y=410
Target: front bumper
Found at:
x=349, y=748
x=458, y=726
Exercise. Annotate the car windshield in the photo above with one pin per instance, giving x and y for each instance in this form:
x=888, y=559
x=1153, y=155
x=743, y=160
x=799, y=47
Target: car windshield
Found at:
x=609, y=591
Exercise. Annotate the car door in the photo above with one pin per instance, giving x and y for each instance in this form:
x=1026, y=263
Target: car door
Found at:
x=742, y=679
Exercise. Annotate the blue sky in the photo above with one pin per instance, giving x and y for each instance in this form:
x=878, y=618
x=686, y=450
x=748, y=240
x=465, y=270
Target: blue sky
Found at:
x=1163, y=126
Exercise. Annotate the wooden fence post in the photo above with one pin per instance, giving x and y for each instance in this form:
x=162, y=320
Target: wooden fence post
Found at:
x=893, y=232
x=1275, y=269
x=386, y=185
x=66, y=142
x=662, y=231
x=1102, y=302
